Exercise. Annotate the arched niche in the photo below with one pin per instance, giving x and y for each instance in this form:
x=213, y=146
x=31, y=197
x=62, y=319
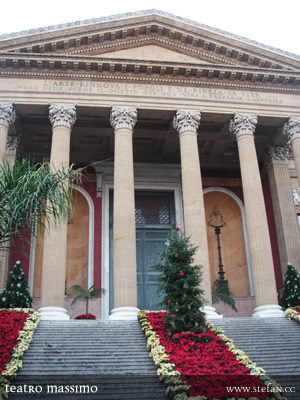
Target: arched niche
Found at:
x=80, y=245
x=234, y=241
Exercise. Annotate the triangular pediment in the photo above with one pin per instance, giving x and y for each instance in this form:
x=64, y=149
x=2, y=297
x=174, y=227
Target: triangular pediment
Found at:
x=150, y=52
x=149, y=42
x=141, y=29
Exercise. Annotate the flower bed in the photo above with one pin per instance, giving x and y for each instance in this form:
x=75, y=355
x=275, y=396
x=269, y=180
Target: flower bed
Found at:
x=16, y=331
x=85, y=316
x=203, y=366
x=293, y=313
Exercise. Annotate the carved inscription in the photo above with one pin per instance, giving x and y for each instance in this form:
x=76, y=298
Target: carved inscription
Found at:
x=128, y=89
x=107, y=89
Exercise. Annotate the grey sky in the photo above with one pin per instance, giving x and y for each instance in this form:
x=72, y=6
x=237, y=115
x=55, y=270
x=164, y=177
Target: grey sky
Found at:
x=272, y=22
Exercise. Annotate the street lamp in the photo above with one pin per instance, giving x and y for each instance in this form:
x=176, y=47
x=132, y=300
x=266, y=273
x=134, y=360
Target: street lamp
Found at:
x=216, y=221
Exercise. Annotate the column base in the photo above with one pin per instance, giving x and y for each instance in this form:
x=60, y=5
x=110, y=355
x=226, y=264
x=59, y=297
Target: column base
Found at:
x=210, y=313
x=124, y=313
x=268, y=311
x=53, y=313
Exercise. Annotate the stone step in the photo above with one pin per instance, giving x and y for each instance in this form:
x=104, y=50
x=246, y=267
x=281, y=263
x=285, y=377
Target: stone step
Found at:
x=274, y=344
x=110, y=354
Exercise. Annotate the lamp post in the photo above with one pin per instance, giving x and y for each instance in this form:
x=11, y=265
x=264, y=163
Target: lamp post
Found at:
x=216, y=221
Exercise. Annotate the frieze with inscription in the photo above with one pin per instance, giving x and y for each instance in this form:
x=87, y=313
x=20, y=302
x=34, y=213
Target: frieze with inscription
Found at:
x=105, y=94
x=127, y=89
x=140, y=90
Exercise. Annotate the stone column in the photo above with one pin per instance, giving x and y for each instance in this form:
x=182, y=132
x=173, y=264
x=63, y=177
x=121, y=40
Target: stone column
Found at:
x=291, y=129
x=12, y=147
x=62, y=118
x=186, y=122
x=243, y=126
x=7, y=117
x=287, y=229
x=123, y=120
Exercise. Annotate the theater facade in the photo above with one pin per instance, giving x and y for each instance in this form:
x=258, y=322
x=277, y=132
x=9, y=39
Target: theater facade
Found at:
x=171, y=120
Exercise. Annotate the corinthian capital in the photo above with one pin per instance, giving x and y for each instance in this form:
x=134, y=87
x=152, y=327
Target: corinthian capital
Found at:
x=296, y=196
x=243, y=124
x=291, y=129
x=276, y=155
x=62, y=114
x=123, y=117
x=12, y=143
x=187, y=120
x=7, y=114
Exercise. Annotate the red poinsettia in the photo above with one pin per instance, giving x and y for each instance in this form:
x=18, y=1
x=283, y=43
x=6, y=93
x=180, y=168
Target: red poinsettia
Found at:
x=85, y=316
x=11, y=324
x=205, y=362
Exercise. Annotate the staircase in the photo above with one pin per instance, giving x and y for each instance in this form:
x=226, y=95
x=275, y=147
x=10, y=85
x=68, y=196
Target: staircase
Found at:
x=110, y=357
x=274, y=344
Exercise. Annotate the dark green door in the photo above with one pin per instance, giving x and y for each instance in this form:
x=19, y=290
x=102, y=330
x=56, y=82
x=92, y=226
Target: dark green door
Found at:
x=154, y=217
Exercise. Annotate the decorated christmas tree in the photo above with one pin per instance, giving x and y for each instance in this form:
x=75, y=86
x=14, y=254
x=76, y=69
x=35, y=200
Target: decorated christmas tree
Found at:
x=180, y=283
x=291, y=288
x=16, y=293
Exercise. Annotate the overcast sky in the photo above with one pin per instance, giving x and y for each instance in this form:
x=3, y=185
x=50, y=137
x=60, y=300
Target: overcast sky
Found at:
x=272, y=22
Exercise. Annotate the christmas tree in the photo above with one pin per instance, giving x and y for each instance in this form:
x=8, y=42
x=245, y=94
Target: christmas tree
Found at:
x=180, y=283
x=16, y=293
x=291, y=288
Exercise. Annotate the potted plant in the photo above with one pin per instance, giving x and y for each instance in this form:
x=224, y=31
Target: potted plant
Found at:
x=85, y=295
x=221, y=293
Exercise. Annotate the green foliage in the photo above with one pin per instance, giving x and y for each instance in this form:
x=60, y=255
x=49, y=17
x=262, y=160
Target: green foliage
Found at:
x=222, y=294
x=30, y=196
x=291, y=288
x=180, y=283
x=16, y=293
x=85, y=295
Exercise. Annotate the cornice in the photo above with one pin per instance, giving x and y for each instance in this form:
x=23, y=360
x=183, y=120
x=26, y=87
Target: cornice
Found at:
x=146, y=16
x=214, y=48
x=99, y=68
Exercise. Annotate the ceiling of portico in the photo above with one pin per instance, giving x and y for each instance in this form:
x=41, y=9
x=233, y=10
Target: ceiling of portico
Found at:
x=154, y=140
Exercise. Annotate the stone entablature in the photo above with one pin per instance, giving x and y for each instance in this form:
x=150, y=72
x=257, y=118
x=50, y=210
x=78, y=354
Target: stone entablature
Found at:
x=146, y=95
x=191, y=73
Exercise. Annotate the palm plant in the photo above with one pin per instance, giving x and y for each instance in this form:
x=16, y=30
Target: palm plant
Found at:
x=31, y=196
x=85, y=295
x=221, y=293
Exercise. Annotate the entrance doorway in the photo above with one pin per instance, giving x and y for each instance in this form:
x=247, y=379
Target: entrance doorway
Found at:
x=154, y=218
